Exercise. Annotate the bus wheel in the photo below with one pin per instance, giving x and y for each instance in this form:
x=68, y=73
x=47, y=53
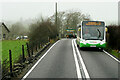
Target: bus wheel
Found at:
x=101, y=49
x=77, y=45
x=81, y=48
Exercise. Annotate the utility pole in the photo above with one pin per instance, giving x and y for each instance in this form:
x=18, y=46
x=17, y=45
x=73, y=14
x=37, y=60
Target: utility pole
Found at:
x=56, y=18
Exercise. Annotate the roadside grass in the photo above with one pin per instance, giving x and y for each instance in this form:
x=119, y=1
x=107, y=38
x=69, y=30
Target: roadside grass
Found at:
x=52, y=41
x=0, y=50
x=16, y=48
x=113, y=52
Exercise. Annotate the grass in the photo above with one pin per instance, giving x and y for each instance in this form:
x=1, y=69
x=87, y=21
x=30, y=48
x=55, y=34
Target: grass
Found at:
x=115, y=53
x=16, y=48
x=0, y=50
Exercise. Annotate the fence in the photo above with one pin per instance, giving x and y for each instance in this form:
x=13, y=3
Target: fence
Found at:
x=14, y=69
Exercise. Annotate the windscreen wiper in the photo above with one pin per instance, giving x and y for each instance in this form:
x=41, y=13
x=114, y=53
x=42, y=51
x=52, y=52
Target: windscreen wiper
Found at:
x=99, y=33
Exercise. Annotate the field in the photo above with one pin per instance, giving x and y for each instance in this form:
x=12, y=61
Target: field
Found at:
x=16, y=48
x=0, y=49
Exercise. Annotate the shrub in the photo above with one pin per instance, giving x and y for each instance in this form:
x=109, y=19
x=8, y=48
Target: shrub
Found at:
x=41, y=32
x=114, y=37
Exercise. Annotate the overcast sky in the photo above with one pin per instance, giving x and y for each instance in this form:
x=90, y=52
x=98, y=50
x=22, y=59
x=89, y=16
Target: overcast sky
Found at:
x=14, y=11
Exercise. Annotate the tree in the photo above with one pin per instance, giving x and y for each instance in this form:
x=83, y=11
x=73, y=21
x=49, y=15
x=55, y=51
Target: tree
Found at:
x=41, y=31
x=69, y=19
x=17, y=29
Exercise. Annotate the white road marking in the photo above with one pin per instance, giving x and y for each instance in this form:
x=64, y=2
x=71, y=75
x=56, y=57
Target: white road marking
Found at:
x=76, y=61
x=39, y=61
x=111, y=56
x=81, y=60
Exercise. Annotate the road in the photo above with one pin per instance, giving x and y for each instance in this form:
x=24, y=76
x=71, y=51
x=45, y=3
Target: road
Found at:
x=62, y=61
x=99, y=64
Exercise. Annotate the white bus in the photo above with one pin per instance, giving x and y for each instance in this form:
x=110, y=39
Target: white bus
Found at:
x=91, y=34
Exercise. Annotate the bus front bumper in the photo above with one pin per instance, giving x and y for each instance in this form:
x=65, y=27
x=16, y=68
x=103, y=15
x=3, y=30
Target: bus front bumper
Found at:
x=93, y=45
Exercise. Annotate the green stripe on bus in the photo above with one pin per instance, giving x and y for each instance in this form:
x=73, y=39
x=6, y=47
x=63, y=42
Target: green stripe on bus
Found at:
x=89, y=45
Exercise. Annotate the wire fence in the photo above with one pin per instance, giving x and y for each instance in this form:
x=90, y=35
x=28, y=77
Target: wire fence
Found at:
x=12, y=68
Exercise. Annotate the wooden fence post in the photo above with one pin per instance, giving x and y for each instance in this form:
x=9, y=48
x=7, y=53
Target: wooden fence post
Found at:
x=10, y=60
x=39, y=45
x=23, y=54
x=32, y=50
x=28, y=49
x=36, y=47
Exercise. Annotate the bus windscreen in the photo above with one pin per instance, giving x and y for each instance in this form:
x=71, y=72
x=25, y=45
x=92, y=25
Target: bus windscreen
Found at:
x=93, y=30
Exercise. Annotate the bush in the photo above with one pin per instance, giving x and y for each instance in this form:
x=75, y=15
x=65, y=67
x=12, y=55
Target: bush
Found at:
x=113, y=37
x=41, y=32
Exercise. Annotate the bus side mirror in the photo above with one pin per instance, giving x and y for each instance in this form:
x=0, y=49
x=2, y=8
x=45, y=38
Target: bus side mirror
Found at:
x=79, y=29
x=106, y=29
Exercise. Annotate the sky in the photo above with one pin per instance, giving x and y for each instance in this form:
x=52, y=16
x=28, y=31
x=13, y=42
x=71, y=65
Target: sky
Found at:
x=119, y=13
x=106, y=10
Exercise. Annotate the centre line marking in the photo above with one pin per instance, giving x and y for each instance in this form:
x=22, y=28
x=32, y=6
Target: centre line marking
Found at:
x=81, y=60
x=76, y=61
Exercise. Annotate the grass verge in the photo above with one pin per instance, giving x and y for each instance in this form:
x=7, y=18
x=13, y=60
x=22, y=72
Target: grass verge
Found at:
x=113, y=52
x=16, y=48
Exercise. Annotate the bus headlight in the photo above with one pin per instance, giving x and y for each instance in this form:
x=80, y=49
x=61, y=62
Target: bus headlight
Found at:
x=103, y=42
x=83, y=42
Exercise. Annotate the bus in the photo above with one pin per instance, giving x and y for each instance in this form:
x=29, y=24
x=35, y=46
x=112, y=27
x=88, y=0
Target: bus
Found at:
x=91, y=34
x=70, y=33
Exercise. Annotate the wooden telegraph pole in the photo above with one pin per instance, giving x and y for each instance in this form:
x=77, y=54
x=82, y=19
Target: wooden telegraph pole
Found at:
x=56, y=17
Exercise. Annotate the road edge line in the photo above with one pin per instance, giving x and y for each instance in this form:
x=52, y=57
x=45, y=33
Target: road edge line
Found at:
x=76, y=61
x=39, y=60
x=111, y=56
x=82, y=62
